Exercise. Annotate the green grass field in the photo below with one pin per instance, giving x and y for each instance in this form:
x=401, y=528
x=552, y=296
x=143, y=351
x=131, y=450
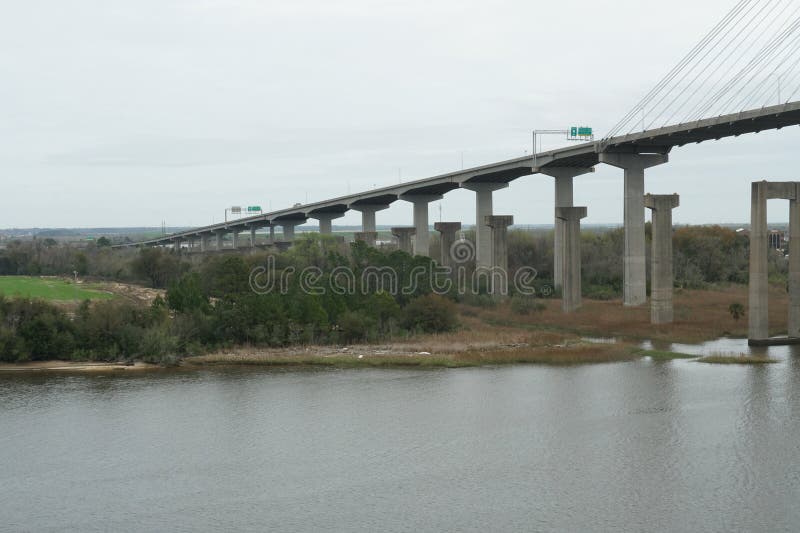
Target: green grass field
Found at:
x=47, y=289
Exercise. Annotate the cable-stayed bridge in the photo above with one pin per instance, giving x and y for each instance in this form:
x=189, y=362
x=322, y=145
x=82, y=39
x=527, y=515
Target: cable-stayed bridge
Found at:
x=740, y=78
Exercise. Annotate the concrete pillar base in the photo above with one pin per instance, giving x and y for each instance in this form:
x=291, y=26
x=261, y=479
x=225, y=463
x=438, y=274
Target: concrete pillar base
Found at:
x=661, y=278
x=758, y=319
x=483, y=208
x=447, y=231
x=404, y=235
x=498, y=279
x=563, y=198
x=571, y=298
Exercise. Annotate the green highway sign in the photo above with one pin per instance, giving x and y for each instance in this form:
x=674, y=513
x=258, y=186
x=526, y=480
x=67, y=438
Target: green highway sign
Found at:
x=254, y=209
x=580, y=131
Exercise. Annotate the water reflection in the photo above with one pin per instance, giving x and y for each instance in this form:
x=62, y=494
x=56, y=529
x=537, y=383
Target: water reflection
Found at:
x=725, y=345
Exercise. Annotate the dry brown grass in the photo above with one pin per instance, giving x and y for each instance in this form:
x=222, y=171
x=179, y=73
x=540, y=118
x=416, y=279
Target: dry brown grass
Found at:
x=699, y=315
x=358, y=356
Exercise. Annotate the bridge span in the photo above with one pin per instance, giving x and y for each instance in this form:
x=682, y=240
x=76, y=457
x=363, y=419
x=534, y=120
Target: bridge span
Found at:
x=633, y=153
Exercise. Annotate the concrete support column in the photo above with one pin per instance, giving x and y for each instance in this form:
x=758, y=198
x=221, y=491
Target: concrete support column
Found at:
x=176, y=244
x=326, y=221
x=253, y=237
x=220, y=240
x=758, y=328
x=272, y=234
x=368, y=215
x=369, y=237
x=498, y=284
x=404, y=235
x=794, y=267
x=635, y=284
x=368, y=224
x=447, y=231
x=288, y=230
x=571, y=257
x=422, y=234
x=661, y=279
x=563, y=198
x=204, y=242
x=483, y=208
x=235, y=238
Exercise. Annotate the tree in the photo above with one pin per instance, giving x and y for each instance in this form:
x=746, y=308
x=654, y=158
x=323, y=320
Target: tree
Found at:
x=431, y=314
x=187, y=295
x=159, y=267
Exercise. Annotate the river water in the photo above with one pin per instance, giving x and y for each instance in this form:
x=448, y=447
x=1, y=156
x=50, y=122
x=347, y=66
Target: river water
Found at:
x=636, y=446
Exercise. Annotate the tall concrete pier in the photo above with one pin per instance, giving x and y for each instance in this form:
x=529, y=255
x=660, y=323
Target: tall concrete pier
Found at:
x=661, y=278
x=761, y=191
x=447, y=236
x=571, y=254
x=483, y=208
x=498, y=278
x=794, y=266
x=368, y=215
x=634, y=165
x=288, y=231
x=422, y=235
x=326, y=221
x=404, y=235
x=563, y=198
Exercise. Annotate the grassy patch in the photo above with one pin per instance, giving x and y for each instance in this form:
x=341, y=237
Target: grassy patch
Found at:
x=47, y=289
x=567, y=354
x=735, y=359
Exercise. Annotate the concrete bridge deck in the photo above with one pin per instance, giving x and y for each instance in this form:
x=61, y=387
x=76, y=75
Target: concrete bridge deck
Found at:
x=580, y=158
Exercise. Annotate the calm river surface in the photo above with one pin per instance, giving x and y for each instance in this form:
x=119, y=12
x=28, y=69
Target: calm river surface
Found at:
x=638, y=446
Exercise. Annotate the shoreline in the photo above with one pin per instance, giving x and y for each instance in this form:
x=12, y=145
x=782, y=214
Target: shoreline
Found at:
x=76, y=366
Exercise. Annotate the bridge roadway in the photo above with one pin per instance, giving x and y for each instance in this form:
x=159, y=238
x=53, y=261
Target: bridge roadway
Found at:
x=633, y=153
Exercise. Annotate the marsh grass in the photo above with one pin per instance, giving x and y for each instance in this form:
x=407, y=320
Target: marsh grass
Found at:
x=566, y=354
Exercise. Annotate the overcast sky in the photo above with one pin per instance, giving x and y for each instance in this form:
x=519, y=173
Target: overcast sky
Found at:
x=122, y=113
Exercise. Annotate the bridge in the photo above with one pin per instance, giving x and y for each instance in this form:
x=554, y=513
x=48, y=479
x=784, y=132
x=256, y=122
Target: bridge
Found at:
x=730, y=68
x=632, y=152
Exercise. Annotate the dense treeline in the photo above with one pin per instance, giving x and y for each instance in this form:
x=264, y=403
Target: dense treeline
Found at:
x=210, y=301
x=214, y=305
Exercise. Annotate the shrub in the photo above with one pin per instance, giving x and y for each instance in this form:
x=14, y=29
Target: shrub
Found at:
x=354, y=326
x=430, y=313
